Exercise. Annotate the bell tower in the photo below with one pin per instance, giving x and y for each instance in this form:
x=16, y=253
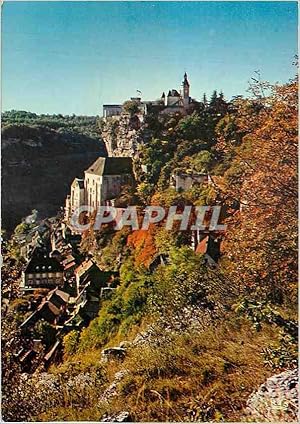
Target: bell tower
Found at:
x=186, y=90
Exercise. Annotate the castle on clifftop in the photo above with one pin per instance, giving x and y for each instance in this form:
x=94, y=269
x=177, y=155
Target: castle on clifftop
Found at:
x=175, y=101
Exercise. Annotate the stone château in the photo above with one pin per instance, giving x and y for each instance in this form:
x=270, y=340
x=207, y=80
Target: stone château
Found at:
x=175, y=101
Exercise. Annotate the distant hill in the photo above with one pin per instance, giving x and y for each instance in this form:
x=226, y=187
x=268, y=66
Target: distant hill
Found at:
x=41, y=155
x=86, y=125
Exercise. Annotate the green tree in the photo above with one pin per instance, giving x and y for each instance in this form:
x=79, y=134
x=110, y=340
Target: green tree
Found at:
x=186, y=291
x=131, y=107
x=70, y=342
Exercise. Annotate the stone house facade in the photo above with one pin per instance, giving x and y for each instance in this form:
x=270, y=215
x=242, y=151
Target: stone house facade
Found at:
x=111, y=110
x=76, y=197
x=103, y=181
x=183, y=181
x=42, y=271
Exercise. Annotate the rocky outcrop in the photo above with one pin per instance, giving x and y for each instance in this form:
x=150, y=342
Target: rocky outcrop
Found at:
x=112, y=390
x=39, y=392
x=122, y=135
x=276, y=399
x=38, y=166
x=118, y=353
x=121, y=417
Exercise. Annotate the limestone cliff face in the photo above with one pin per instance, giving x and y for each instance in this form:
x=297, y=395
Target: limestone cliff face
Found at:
x=122, y=135
x=38, y=166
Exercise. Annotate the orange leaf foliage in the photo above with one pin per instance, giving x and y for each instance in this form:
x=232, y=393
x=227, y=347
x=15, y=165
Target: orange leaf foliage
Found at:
x=142, y=241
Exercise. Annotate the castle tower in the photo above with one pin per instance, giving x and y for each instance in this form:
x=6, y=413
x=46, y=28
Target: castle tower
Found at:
x=186, y=90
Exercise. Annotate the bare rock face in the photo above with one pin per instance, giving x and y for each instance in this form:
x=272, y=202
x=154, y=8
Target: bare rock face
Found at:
x=122, y=135
x=276, y=399
x=38, y=166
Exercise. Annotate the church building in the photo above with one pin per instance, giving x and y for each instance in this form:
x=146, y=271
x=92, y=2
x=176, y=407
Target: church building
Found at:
x=105, y=178
x=103, y=181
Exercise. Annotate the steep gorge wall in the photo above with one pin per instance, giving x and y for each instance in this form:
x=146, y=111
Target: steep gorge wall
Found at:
x=122, y=135
x=38, y=166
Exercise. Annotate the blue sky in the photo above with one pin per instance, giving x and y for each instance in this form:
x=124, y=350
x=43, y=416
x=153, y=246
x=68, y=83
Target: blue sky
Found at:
x=71, y=57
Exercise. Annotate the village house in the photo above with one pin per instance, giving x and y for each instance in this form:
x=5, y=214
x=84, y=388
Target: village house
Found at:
x=76, y=197
x=183, y=181
x=42, y=271
x=34, y=238
x=59, y=298
x=209, y=246
x=83, y=271
x=49, y=312
x=54, y=354
x=52, y=309
x=60, y=245
x=88, y=271
x=69, y=264
x=28, y=243
x=86, y=306
x=111, y=110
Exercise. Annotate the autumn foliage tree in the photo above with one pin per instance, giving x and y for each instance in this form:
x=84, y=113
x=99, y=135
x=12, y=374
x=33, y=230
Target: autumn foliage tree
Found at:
x=260, y=137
